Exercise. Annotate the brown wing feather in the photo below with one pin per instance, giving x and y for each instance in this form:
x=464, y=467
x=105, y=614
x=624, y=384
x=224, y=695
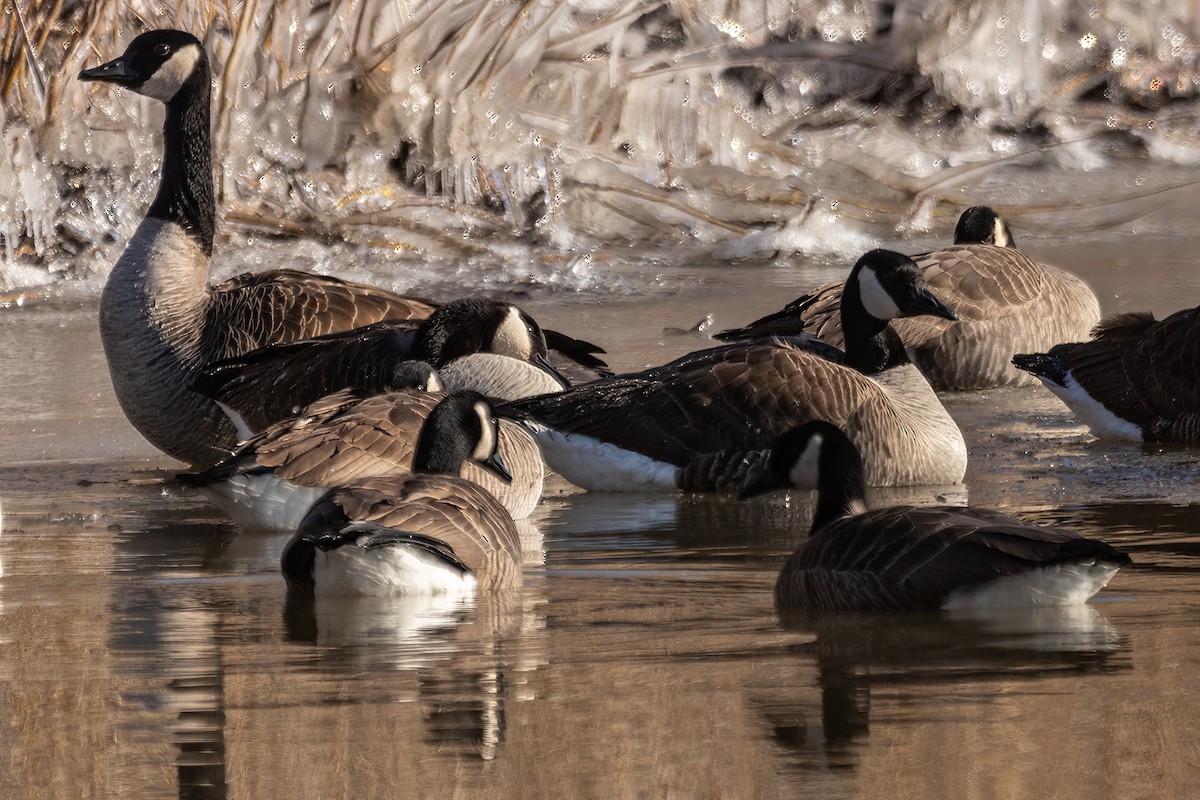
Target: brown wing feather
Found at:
x=981, y=281
x=254, y=310
x=822, y=315
x=1124, y=325
x=250, y=311
x=736, y=397
x=817, y=312
x=455, y=511
x=275, y=382
x=371, y=437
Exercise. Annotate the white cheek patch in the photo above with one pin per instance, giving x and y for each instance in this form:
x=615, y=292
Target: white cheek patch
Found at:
x=512, y=337
x=174, y=72
x=875, y=299
x=434, y=383
x=1000, y=234
x=803, y=474
x=487, y=440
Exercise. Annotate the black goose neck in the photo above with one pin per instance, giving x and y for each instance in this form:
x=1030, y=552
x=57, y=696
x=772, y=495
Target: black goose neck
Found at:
x=442, y=446
x=871, y=344
x=185, y=190
x=841, y=489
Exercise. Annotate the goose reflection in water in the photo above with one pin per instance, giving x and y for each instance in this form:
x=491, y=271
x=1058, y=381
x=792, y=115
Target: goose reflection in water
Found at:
x=1001, y=649
x=453, y=646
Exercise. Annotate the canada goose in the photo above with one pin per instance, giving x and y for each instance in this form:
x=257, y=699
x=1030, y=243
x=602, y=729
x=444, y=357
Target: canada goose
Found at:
x=160, y=321
x=488, y=346
x=1006, y=303
x=1137, y=380
x=272, y=479
x=428, y=532
x=982, y=225
x=913, y=557
x=640, y=432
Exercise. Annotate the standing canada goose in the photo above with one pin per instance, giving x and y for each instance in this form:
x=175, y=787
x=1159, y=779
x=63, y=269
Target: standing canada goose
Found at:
x=640, y=432
x=488, y=346
x=160, y=321
x=1137, y=380
x=272, y=479
x=429, y=532
x=1005, y=303
x=913, y=557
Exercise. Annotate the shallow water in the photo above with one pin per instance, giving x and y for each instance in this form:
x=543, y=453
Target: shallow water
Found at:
x=146, y=648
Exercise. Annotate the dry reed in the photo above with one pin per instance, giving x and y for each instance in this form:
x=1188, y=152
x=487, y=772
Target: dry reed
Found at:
x=339, y=115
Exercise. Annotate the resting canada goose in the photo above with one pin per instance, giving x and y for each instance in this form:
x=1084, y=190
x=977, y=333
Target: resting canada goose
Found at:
x=637, y=432
x=1137, y=380
x=160, y=321
x=1006, y=303
x=982, y=225
x=913, y=557
x=272, y=479
x=428, y=532
x=488, y=346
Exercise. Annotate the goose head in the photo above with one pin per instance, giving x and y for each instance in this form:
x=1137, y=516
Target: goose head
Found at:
x=480, y=325
x=462, y=426
x=816, y=455
x=982, y=225
x=156, y=64
x=804, y=455
x=414, y=375
x=888, y=285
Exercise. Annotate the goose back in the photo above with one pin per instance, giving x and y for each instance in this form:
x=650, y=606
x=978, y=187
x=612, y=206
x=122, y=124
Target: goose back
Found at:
x=911, y=557
x=269, y=384
x=454, y=520
x=1006, y=303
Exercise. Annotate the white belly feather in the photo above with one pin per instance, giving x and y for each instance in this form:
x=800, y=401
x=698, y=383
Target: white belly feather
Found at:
x=391, y=570
x=1101, y=421
x=1063, y=584
x=599, y=466
x=263, y=502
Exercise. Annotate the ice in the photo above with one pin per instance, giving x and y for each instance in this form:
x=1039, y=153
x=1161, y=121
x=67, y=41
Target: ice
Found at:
x=438, y=135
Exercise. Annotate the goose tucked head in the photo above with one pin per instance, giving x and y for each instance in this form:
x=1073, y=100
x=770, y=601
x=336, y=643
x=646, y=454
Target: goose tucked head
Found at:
x=517, y=335
x=460, y=427
x=156, y=64
x=890, y=286
x=982, y=225
x=480, y=325
x=418, y=375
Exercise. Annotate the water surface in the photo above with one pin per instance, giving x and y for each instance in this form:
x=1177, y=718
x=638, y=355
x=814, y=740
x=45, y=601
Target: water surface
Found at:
x=146, y=648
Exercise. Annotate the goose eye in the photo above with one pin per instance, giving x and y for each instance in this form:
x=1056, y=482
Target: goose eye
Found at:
x=162, y=49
